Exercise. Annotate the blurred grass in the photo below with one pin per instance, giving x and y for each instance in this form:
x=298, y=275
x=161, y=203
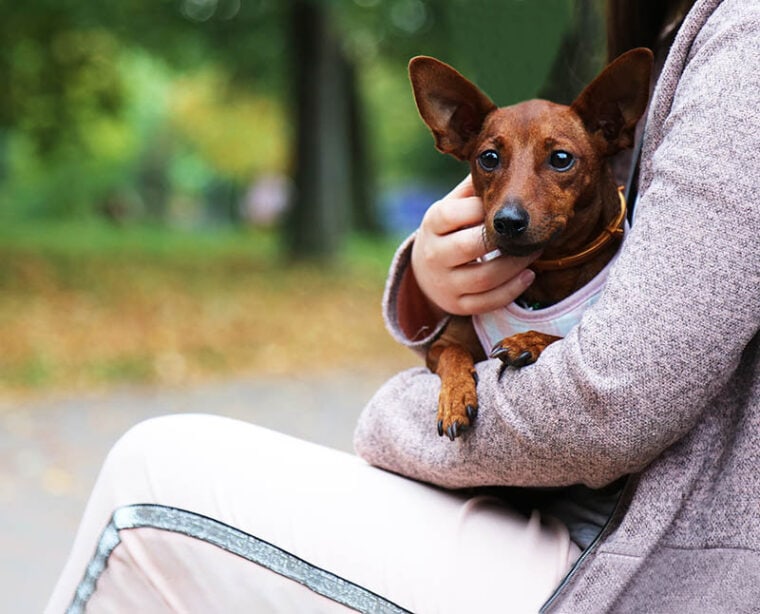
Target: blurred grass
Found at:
x=86, y=305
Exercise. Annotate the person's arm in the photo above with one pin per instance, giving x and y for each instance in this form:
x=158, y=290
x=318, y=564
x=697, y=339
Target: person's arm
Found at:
x=679, y=310
x=436, y=271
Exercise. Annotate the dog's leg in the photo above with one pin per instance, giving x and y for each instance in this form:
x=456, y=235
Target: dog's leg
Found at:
x=452, y=357
x=458, y=399
x=523, y=348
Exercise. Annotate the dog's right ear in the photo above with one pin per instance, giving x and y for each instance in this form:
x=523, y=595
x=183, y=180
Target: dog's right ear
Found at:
x=453, y=108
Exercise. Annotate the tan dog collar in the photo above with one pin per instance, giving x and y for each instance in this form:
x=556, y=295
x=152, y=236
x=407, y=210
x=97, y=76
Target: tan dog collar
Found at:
x=613, y=231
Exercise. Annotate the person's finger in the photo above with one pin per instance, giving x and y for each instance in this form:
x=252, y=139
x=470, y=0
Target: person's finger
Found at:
x=483, y=277
x=496, y=298
x=463, y=189
x=452, y=250
x=447, y=216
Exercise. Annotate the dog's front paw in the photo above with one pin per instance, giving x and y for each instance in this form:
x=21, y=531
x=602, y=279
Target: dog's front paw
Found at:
x=522, y=349
x=457, y=405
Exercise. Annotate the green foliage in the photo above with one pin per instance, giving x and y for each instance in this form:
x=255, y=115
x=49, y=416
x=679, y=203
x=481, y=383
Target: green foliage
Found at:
x=57, y=78
x=138, y=109
x=494, y=44
x=402, y=145
x=77, y=240
x=238, y=133
x=125, y=126
x=507, y=47
x=86, y=117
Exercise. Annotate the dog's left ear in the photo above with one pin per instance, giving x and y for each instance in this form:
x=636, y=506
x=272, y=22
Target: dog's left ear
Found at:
x=612, y=103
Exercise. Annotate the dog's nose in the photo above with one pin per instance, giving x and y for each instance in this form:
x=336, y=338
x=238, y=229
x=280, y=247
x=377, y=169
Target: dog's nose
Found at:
x=511, y=221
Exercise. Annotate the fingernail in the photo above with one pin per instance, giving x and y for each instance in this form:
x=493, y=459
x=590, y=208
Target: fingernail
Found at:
x=527, y=277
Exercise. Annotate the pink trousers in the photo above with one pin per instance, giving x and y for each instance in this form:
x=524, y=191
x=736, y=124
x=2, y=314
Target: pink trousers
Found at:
x=204, y=514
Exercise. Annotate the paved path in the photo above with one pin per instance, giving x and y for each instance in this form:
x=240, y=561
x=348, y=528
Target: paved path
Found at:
x=50, y=452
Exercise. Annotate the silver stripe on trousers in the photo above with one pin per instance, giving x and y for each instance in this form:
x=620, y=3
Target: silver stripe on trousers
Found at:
x=232, y=540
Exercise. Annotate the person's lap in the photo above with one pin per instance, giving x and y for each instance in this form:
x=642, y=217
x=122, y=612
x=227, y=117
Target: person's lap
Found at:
x=275, y=521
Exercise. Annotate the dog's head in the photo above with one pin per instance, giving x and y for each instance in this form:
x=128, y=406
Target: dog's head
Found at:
x=534, y=162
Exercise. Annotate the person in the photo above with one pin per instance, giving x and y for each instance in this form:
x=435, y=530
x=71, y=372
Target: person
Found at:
x=618, y=473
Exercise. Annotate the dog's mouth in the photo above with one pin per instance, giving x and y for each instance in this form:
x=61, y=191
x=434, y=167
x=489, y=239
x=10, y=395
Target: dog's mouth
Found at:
x=516, y=247
x=520, y=251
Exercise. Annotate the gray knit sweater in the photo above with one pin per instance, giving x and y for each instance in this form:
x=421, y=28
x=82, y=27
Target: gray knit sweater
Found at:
x=661, y=378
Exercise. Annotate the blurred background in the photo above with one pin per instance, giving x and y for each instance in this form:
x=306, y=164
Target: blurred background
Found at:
x=199, y=200
x=190, y=188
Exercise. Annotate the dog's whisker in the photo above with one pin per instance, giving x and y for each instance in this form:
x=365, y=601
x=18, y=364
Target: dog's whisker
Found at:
x=486, y=243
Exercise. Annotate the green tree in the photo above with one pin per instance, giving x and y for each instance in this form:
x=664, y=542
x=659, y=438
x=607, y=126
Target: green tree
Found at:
x=317, y=58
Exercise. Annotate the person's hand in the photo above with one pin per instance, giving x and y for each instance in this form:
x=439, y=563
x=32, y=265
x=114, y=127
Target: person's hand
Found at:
x=445, y=257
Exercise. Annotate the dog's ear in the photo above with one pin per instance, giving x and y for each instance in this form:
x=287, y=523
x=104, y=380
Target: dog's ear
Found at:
x=453, y=108
x=612, y=103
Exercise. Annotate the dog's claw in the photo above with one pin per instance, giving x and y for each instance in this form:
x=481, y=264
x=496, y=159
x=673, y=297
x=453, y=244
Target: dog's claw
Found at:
x=522, y=349
x=472, y=412
x=523, y=359
x=475, y=376
x=440, y=428
x=499, y=351
x=455, y=430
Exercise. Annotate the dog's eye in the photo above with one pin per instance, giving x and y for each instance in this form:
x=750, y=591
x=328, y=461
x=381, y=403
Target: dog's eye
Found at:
x=488, y=160
x=561, y=160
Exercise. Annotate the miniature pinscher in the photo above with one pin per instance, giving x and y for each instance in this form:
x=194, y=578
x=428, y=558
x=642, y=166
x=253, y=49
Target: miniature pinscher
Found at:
x=542, y=172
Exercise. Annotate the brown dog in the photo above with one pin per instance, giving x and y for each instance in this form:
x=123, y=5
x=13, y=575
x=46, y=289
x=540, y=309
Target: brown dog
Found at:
x=541, y=170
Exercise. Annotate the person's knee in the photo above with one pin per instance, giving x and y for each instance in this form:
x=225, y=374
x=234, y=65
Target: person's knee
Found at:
x=158, y=436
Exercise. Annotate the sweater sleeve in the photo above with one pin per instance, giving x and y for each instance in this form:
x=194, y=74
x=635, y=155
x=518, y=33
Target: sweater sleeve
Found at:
x=679, y=310
x=406, y=312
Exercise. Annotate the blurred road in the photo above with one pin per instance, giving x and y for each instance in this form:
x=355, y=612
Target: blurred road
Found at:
x=51, y=450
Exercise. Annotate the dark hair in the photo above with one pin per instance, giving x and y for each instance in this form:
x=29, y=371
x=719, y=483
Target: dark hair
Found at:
x=640, y=23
